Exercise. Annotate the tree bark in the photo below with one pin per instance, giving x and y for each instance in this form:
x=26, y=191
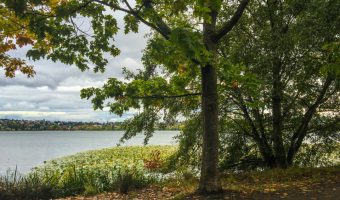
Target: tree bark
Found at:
x=209, y=182
x=279, y=150
x=276, y=24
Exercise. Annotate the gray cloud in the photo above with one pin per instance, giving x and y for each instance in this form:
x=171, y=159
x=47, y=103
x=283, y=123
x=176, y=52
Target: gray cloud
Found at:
x=54, y=93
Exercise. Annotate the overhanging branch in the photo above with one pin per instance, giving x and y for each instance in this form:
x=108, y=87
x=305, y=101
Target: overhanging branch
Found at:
x=162, y=27
x=164, y=96
x=130, y=11
x=232, y=22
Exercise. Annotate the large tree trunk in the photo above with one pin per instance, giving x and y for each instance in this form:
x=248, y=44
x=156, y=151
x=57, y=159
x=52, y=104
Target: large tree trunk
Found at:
x=276, y=24
x=279, y=150
x=266, y=153
x=209, y=181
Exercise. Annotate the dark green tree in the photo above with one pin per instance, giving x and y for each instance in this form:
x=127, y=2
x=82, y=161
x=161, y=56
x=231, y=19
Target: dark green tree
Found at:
x=284, y=86
x=278, y=87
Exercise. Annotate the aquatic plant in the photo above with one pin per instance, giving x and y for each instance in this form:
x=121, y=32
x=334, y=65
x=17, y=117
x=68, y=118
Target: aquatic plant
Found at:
x=91, y=172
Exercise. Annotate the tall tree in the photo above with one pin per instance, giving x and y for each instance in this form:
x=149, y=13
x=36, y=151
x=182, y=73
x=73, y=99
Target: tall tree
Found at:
x=193, y=29
x=290, y=50
x=279, y=78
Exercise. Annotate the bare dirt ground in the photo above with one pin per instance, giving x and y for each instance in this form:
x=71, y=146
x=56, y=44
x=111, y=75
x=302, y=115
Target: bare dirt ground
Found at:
x=320, y=185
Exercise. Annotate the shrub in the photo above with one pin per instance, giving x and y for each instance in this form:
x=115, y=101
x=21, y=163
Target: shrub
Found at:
x=154, y=162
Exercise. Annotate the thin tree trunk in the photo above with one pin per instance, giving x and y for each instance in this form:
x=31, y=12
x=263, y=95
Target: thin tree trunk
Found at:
x=301, y=132
x=260, y=139
x=209, y=180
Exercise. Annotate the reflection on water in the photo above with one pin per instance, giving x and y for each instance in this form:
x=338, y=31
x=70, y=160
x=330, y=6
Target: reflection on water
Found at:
x=26, y=149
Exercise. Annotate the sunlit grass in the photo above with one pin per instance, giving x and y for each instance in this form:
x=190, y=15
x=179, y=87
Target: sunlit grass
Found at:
x=109, y=158
x=121, y=169
x=274, y=179
x=91, y=172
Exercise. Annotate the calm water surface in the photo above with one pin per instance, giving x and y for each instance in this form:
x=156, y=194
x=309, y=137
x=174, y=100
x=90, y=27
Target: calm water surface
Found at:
x=27, y=149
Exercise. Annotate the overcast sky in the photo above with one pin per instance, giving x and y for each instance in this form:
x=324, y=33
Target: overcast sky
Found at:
x=54, y=93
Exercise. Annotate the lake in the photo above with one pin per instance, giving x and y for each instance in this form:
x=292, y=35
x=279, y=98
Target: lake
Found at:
x=27, y=149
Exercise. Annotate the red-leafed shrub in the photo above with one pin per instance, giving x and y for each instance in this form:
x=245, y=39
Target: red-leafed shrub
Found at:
x=154, y=161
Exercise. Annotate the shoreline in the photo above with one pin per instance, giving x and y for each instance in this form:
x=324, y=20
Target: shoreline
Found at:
x=52, y=130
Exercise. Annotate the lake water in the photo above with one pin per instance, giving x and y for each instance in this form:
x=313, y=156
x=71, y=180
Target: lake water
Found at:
x=27, y=149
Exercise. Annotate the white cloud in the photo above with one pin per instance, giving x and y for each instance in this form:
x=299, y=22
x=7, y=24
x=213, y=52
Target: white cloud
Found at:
x=75, y=88
x=131, y=64
x=7, y=106
x=54, y=93
x=31, y=113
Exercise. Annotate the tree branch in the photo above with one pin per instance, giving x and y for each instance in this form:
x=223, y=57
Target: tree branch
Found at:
x=113, y=6
x=163, y=28
x=130, y=11
x=290, y=105
x=76, y=28
x=245, y=111
x=261, y=140
x=232, y=22
x=164, y=96
x=324, y=126
x=245, y=131
x=301, y=132
x=259, y=118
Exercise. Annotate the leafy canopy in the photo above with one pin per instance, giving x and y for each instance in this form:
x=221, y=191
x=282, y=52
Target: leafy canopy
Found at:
x=13, y=35
x=172, y=58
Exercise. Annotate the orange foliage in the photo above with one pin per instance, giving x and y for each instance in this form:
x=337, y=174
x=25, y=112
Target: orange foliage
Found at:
x=13, y=35
x=154, y=162
x=234, y=84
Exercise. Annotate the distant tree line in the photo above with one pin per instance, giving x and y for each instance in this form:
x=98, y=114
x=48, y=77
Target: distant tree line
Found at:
x=44, y=125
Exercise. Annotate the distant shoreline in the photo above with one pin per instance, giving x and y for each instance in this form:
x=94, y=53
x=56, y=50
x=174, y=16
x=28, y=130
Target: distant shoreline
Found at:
x=81, y=130
x=43, y=125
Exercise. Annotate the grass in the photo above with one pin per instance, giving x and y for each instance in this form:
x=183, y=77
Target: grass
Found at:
x=111, y=159
x=277, y=178
x=121, y=169
x=89, y=173
x=275, y=181
x=15, y=186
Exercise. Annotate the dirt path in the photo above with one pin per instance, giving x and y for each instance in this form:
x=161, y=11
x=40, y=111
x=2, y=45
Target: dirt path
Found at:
x=312, y=185
x=317, y=191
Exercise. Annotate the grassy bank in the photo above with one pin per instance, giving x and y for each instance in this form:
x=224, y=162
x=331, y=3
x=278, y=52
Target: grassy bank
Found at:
x=143, y=172
x=272, y=184
x=290, y=184
x=91, y=172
